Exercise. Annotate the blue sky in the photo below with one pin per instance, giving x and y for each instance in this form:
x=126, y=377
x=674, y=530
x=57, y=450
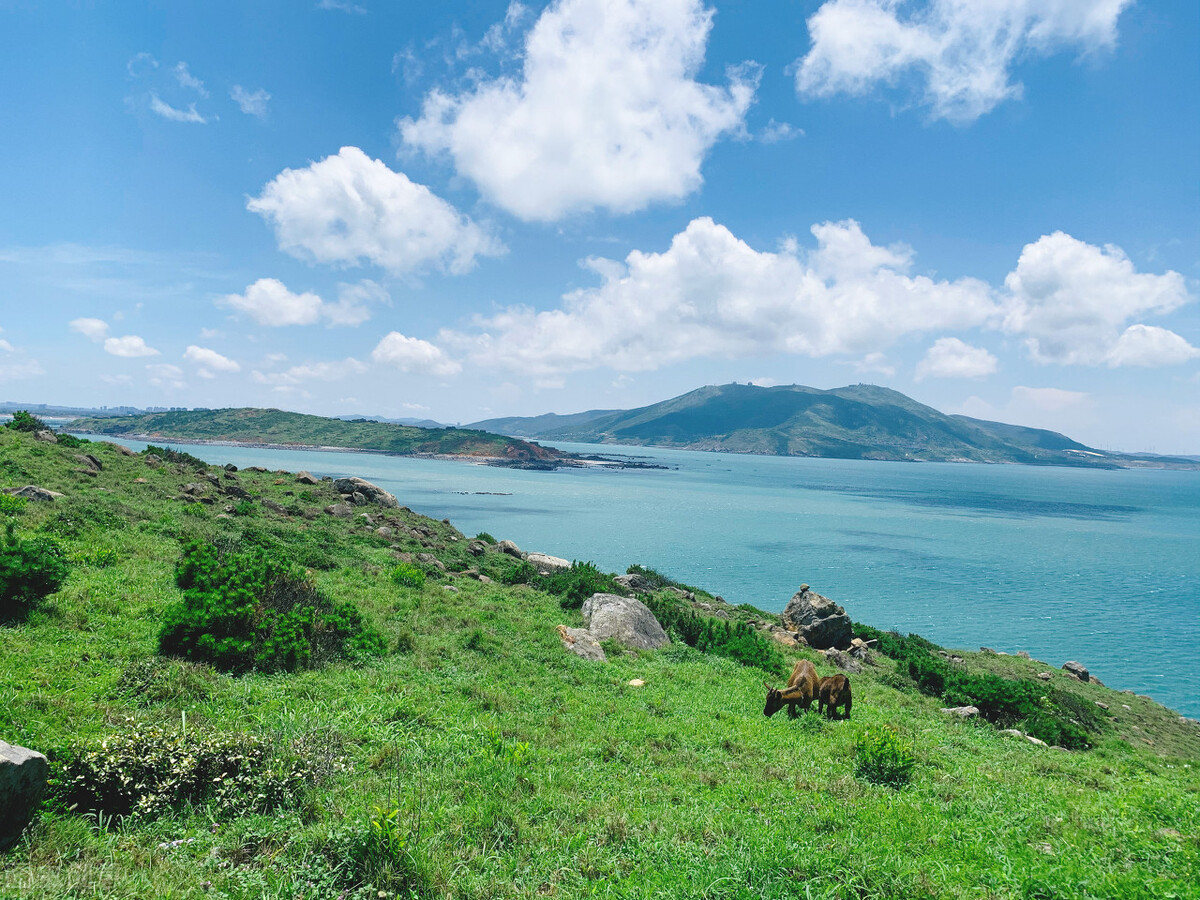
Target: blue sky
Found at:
x=466, y=210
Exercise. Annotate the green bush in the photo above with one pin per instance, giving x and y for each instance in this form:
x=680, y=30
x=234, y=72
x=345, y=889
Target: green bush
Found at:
x=100, y=558
x=30, y=568
x=735, y=640
x=517, y=571
x=144, y=770
x=70, y=441
x=247, y=610
x=179, y=457
x=23, y=420
x=408, y=575
x=485, y=537
x=73, y=517
x=11, y=505
x=576, y=584
x=881, y=757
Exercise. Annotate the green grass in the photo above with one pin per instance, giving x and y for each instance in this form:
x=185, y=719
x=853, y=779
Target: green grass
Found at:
x=501, y=766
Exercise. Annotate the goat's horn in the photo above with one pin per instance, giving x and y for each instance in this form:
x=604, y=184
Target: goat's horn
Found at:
x=767, y=686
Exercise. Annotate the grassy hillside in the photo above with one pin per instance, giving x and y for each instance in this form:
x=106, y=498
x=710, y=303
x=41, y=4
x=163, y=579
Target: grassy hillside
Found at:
x=275, y=426
x=854, y=422
x=474, y=758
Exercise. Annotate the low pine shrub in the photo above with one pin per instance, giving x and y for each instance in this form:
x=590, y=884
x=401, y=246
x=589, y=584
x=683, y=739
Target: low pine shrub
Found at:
x=30, y=569
x=179, y=457
x=70, y=441
x=882, y=757
x=516, y=571
x=408, y=575
x=144, y=771
x=735, y=640
x=574, y=585
x=247, y=610
x=485, y=537
x=24, y=420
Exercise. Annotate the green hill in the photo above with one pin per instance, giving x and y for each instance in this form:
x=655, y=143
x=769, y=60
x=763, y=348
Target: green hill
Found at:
x=855, y=422
x=461, y=752
x=273, y=426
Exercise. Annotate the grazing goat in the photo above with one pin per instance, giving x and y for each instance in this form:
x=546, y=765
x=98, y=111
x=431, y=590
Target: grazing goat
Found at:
x=834, y=691
x=801, y=690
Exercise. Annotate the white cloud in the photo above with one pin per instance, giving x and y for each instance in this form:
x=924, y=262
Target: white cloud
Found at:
x=875, y=363
x=320, y=371
x=413, y=355
x=775, y=132
x=269, y=302
x=5, y=345
x=606, y=112
x=130, y=346
x=209, y=361
x=15, y=370
x=349, y=208
x=252, y=104
x=92, y=329
x=117, y=380
x=711, y=294
x=141, y=64
x=1048, y=399
x=210, y=333
x=960, y=50
x=188, y=80
x=1147, y=345
x=1072, y=301
x=342, y=6
x=169, y=112
x=952, y=358
x=166, y=376
x=764, y=382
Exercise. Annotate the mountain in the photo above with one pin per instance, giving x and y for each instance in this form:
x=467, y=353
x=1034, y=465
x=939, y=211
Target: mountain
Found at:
x=274, y=426
x=855, y=422
x=419, y=423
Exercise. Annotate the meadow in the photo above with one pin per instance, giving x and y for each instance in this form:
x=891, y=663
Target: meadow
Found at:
x=467, y=755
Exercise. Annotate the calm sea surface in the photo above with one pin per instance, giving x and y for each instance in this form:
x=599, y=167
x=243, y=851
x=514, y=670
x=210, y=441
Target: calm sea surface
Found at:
x=1102, y=567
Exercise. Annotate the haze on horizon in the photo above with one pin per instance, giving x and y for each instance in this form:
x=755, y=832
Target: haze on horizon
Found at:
x=461, y=212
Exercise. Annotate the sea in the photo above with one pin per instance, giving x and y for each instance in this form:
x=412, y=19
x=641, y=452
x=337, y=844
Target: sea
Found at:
x=1097, y=566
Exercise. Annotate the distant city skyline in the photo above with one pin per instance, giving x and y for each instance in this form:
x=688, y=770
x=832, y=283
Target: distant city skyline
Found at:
x=464, y=211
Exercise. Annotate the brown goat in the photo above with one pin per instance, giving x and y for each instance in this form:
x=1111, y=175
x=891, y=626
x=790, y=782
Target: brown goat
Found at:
x=801, y=690
x=834, y=691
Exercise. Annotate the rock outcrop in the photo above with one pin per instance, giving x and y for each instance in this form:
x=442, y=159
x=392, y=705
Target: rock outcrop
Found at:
x=581, y=643
x=820, y=621
x=638, y=584
x=33, y=492
x=23, y=775
x=352, y=489
x=1076, y=669
x=305, y=478
x=625, y=620
x=546, y=564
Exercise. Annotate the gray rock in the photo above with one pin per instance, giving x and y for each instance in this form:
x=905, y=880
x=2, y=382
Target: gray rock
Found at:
x=124, y=451
x=194, y=488
x=305, y=478
x=963, y=712
x=477, y=548
x=384, y=531
x=340, y=510
x=237, y=492
x=33, y=492
x=820, y=621
x=1076, y=669
x=638, y=584
x=511, y=549
x=1045, y=676
x=1024, y=654
x=371, y=493
x=429, y=559
x=90, y=461
x=581, y=643
x=842, y=660
x=548, y=563
x=625, y=620
x=23, y=774
x=48, y=436
x=153, y=460
x=274, y=507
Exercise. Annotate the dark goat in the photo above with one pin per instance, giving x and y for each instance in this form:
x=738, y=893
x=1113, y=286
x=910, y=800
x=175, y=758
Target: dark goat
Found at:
x=834, y=691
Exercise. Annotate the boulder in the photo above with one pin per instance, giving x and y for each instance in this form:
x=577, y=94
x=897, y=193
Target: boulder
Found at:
x=237, y=492
x=89, y=460
x=124, y=451
x=582, y=644
x=625, y=620
x=305, y=478
x=1078, y=670
x=820, y=621
x=48, y=436
x=33, y=492
x=477, y=548
x=638, y=584
x=842, y=660
x=963, y=712
x=153, y=460
x=23, y=775
x=340, y=510
x=511, y=549
x=371, y=493
x=1045, y=676
x=546, y=563
x=274, y=506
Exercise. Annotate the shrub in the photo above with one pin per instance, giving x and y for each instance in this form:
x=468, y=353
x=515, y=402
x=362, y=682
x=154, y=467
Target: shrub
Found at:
x=10, y=505
x=408, y=575
x=486, y=538
x=144, y=770
x=576, y=584
x=881, y=757
x=23, y=420
x=517, y=571
x=73, y=517
x=244, y=508
x=30, y=568
x=382, y=859
x=70, y=441
x=737, y=641
x=248, y=610
x=100, y=558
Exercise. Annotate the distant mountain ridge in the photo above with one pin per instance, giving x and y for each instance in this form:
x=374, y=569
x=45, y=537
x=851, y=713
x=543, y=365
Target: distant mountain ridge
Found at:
x=855, y=422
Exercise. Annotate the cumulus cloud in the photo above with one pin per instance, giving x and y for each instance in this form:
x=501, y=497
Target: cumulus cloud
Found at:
x=410, y=354
x=269, y=302
x=349, y=209
x=959, y=51
x=606, y=112
x=161, y=108
x=188, y=80
x=209, y=361
x=711, y=294
x=130, y=346
x=251, y=103
x=1072, y=301
x=92, y=329
x=318, y=371
x=952, y=358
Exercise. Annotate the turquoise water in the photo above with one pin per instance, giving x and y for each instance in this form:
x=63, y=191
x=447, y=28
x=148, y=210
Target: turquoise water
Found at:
x=1102, y=567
